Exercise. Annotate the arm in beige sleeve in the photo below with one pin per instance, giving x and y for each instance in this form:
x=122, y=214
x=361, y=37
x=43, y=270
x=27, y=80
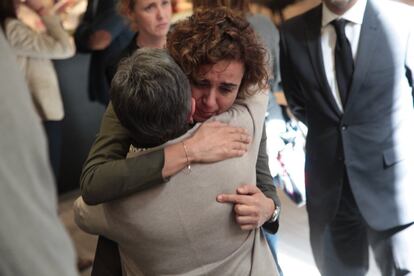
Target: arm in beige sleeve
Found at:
x=54, y=43
x=107, y=175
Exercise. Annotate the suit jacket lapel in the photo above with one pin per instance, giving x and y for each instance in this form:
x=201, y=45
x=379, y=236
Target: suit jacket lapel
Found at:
x=313, y=39
x=367, y=44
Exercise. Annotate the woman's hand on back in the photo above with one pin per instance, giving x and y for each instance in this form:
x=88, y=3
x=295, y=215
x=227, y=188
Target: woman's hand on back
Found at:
x=216, y=141
x=212, y=142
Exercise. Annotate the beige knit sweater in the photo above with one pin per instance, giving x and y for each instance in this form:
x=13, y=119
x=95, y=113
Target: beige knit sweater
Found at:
x=178, y=228
x=34, y=52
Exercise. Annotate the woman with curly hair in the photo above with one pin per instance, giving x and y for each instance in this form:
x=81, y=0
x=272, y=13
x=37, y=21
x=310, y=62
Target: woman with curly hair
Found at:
x=275, y=122
x=219, y=53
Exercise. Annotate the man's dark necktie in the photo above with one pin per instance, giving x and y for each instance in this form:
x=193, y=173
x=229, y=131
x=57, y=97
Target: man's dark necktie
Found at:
x=344, y=63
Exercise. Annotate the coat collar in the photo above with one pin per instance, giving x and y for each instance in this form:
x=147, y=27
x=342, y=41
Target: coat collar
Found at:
x=313, y=40
x=355, y=14
x=367, y=43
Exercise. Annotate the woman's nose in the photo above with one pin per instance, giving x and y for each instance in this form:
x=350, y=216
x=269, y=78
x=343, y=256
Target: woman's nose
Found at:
x=210, y=100
x=161, y=11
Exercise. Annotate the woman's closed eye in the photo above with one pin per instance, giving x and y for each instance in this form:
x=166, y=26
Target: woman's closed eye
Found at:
x=201, y=83
x=227, y=88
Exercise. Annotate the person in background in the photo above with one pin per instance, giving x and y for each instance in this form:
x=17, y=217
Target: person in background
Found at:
x=150, y=20
x=347, y=71
x=275, y=123
x=208, y=242
x=103, y=33
x=33, y=240
x=34, y=52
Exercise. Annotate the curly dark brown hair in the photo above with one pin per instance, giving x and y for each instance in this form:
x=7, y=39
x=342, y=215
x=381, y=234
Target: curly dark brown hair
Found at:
x=242, y=6
x=213, y=35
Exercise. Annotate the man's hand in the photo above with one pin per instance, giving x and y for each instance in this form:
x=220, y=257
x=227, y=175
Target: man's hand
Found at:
x=252, y=208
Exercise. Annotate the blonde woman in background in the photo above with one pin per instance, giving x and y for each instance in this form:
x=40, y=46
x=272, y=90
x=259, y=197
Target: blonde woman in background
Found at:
x=150, y=19
x=34, y=51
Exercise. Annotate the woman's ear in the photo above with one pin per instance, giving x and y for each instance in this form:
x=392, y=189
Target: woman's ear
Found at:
x=130, y=15
x=192, y=110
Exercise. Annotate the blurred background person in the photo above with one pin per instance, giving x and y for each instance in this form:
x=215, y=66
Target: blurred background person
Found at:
x=32, y=239
x=34, y=51
x=347, y=71
x=103, y=33
x=150, y=20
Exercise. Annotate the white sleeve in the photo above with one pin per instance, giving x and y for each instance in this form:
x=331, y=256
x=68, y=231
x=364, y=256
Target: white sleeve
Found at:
x=55, y=43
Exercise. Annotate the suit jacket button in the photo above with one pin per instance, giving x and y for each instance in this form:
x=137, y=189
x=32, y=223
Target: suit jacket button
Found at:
x=344, y=127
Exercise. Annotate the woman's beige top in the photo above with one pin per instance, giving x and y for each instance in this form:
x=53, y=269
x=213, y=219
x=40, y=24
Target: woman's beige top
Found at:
x=34, y=51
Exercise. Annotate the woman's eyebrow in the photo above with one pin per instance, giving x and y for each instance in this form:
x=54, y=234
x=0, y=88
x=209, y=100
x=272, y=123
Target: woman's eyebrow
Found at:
x=229, y=84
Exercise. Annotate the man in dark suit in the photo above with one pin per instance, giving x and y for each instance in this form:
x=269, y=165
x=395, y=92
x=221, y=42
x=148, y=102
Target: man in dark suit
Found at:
x=351, y=83
x=104, y=34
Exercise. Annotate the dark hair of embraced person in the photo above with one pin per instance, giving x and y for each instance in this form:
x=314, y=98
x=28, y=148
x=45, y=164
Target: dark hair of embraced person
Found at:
x=135, y=96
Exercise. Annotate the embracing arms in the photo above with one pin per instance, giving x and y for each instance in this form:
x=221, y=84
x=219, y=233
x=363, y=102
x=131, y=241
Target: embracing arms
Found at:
x=107, y=175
